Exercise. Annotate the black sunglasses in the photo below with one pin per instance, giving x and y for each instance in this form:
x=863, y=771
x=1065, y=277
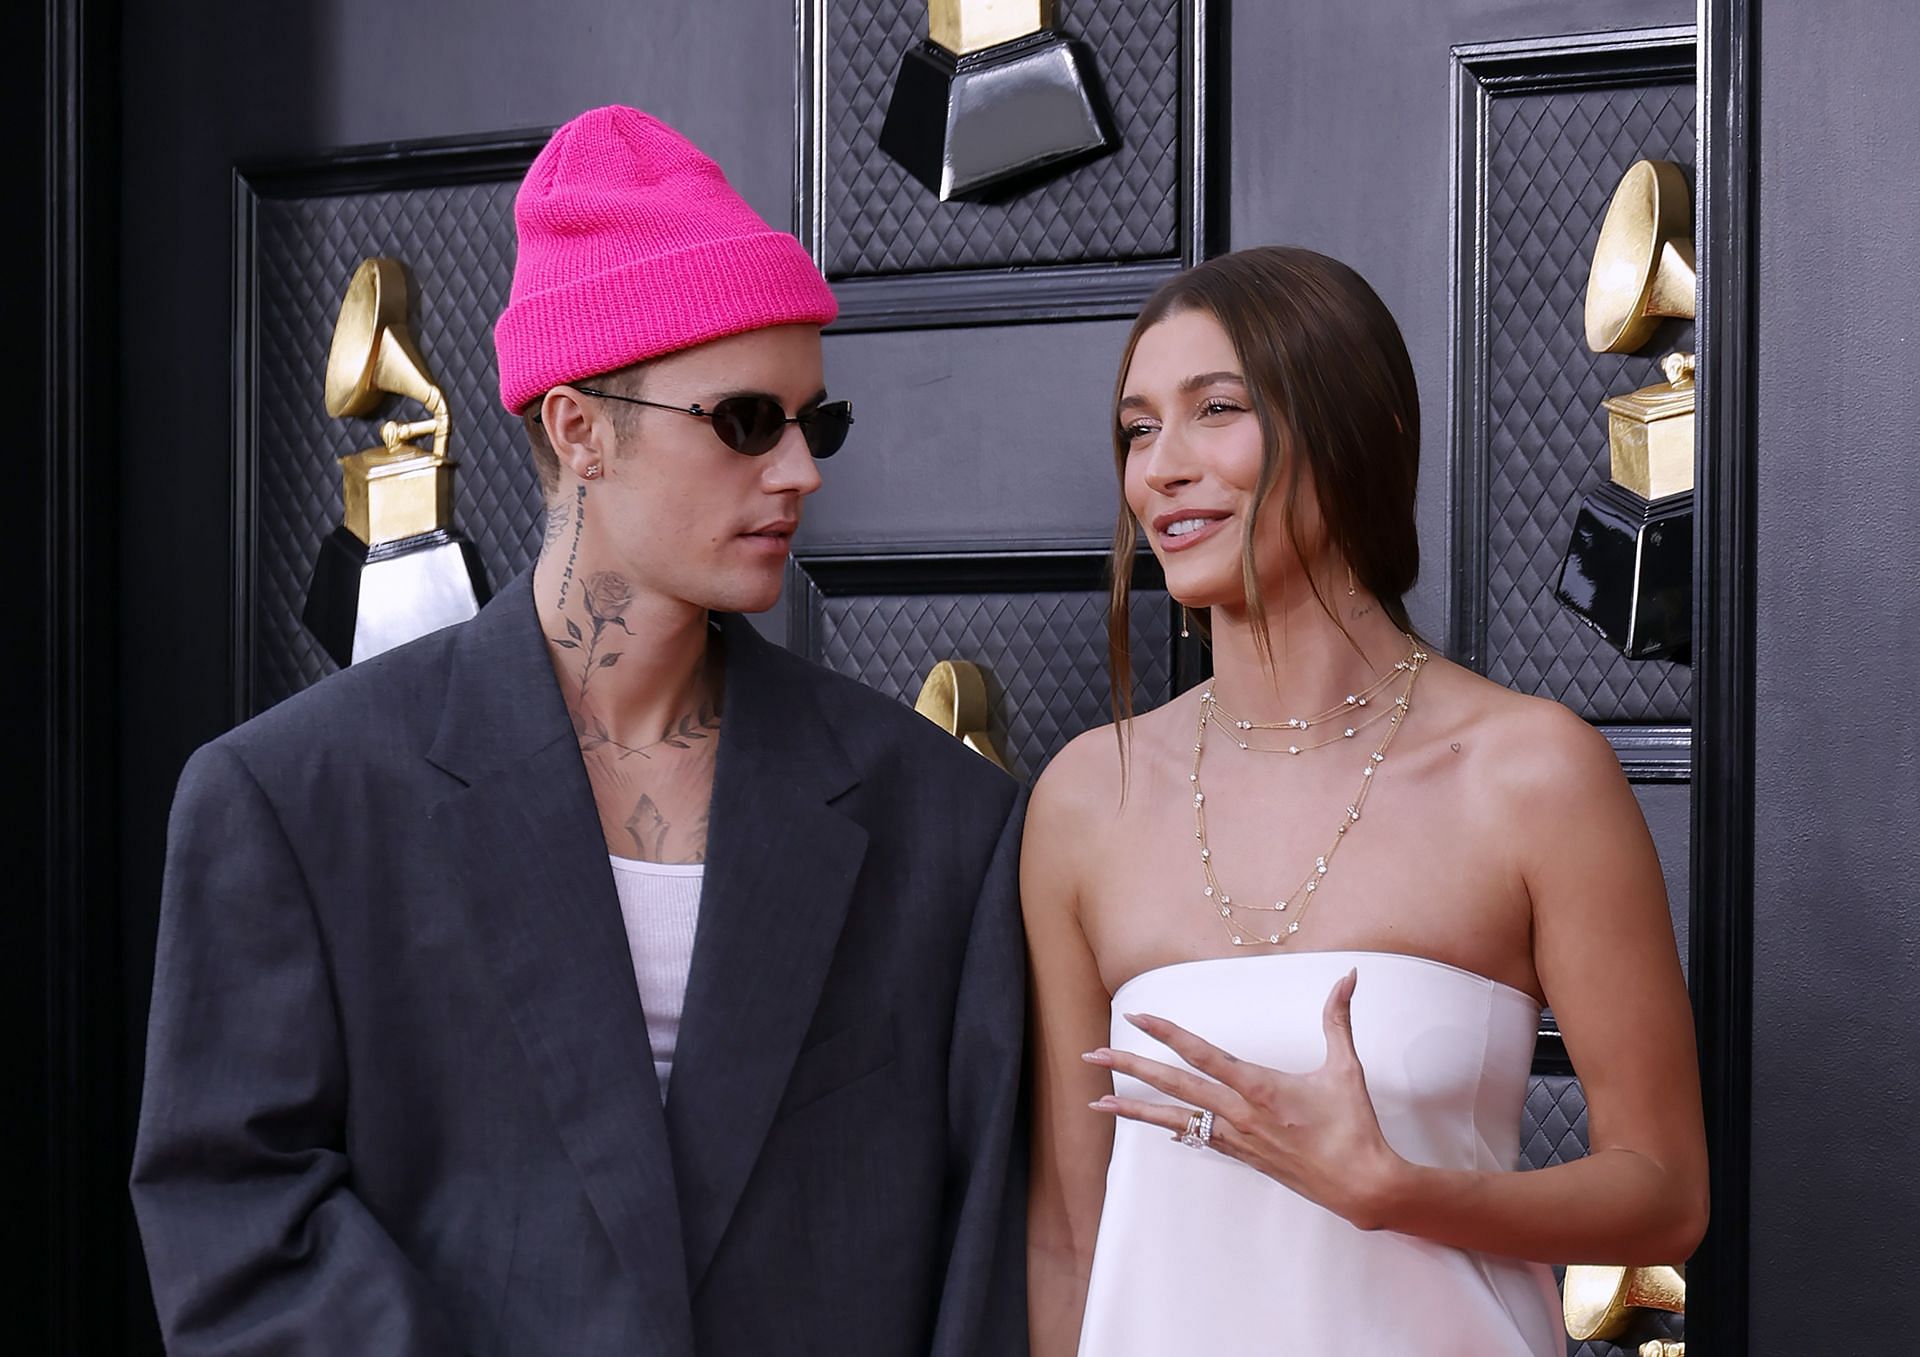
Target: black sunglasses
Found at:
x=753, y=424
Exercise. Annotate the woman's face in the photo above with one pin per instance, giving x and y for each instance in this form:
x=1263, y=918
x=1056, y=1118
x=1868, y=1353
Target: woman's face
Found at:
x=1193, y=463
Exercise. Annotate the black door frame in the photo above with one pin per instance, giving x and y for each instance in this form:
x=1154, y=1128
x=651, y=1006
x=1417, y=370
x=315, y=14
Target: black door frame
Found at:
x=65, y=976
x=1720, y=921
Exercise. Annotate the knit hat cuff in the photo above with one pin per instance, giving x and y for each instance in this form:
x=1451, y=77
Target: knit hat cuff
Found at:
x=655, y=305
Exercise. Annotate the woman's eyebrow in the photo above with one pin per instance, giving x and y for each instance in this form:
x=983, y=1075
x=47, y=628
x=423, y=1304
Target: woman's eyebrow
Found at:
x=1188, y=385
x=1200, y=379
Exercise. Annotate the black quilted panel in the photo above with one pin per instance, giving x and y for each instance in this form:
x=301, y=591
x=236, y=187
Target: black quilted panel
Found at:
x=1553, y=1130
x=1125, y=205
x=1553, y=160
x=1044, y=655
x=457, y=245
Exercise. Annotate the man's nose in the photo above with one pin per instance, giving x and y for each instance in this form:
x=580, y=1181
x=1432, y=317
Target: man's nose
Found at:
x=791, y=465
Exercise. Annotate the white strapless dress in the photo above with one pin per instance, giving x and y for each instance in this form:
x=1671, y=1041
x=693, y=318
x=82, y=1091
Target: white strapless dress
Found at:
x=1200, y=1256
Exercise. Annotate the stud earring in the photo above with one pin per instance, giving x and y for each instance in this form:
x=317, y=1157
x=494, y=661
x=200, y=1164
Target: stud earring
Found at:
x=592, y=473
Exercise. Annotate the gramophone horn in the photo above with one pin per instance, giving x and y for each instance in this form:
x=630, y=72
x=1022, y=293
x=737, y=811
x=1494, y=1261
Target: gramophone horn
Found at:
x=954, y=697
x=1597, y=1299
x=372, y=352
x=1643, y=263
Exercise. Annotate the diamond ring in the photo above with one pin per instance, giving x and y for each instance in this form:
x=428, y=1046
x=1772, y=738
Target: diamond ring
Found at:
x=1199, y=1132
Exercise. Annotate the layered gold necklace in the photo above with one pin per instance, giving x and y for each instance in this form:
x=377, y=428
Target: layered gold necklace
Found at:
x=1350, y=718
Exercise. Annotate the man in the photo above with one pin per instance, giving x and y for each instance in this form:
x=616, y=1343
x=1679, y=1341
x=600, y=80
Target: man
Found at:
x=594, y=977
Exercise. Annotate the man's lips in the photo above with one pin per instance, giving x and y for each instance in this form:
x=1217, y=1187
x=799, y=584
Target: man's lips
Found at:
x=771, y=537
x=1210, y=520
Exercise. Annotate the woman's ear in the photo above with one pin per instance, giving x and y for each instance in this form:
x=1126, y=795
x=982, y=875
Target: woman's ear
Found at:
x=581, y=435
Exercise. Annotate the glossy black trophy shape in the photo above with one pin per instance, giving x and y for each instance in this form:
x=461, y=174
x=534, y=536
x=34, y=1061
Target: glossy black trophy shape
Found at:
x=1628, y=570
x=993, y=95
x=395, y=568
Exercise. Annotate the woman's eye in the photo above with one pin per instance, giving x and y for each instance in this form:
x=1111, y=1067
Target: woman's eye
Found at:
x=1133, y=433
x=1219, y=407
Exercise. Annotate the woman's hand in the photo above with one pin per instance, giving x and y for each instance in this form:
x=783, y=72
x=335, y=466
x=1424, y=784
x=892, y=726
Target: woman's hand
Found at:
x=1315, y=1133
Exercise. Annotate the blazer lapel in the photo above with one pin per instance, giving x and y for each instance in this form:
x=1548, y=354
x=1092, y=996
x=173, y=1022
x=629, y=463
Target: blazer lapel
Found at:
x=533, y=868
x=781, y=867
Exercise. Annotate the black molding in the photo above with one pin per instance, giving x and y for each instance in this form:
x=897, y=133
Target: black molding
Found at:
x=932, y=301
x=1481, y=73
x=1100, y=290
x=385, y=167
x=79, y=1167
x=1720, y=922
x=1550, y=1050
x=1011, y=567
x=1581, y=61
x=1652, y=753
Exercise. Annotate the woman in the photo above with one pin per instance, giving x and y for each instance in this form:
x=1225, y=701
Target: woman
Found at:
x=1290, y=933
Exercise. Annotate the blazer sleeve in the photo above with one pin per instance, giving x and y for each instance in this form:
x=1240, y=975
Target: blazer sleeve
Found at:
x=254, y=1239
x=983, y=1301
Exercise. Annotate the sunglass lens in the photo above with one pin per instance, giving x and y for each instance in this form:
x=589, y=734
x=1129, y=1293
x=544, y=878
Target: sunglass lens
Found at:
x=749, y=424
x=826, y=427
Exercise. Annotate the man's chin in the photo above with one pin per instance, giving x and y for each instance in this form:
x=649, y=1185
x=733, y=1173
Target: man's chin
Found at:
x=745, y=596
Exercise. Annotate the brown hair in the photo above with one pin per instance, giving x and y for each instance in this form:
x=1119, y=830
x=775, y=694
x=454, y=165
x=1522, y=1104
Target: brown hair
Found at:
x=1329, y=378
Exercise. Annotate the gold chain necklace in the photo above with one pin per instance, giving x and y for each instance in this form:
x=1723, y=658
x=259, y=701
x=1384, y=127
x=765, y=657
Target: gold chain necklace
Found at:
x=1295, y=903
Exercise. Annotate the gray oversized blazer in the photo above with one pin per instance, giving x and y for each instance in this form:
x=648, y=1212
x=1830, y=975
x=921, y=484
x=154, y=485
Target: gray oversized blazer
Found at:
x=399, y=1096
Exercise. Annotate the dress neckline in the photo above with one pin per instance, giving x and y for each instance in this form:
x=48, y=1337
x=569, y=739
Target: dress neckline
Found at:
x=1474, y=976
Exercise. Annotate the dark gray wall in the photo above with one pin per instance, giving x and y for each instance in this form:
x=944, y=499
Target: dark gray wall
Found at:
x=1836, y=1191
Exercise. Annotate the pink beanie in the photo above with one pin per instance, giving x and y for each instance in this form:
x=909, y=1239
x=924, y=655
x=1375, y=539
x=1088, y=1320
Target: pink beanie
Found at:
x=633, y=244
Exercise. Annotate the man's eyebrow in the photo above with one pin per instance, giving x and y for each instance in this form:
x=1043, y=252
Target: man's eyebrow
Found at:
x=814, y=399
x=1187, y=386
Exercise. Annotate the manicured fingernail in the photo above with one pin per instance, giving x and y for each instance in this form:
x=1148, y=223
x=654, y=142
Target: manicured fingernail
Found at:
x=1135, y=1018
x=1103, y=1104
x=1100, y=1057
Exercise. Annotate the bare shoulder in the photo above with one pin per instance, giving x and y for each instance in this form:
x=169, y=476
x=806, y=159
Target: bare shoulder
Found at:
x=1086, y=781
x=1531, y=755
x=1076, y=778
x=1079, y=802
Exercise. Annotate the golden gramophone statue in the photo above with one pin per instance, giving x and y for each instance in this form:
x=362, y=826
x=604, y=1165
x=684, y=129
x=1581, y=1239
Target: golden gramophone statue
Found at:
x=954, y=697
x=1628, y=570
x=994, y=94
x=395, y=568
x=1598, y=1303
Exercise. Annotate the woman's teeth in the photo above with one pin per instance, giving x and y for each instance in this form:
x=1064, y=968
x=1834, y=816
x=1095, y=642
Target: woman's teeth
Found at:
x=1187, y=525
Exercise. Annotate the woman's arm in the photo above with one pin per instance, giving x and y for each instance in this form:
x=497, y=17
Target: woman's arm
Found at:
x=1069, y=1015
x=1603, y=948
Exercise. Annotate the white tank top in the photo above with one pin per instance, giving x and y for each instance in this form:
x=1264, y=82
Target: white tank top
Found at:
x=660, y=905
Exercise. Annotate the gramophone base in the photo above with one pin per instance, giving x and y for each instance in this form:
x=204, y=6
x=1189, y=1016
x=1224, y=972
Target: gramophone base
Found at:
x=1628, y=571
x=961, y=125
x=363, y=600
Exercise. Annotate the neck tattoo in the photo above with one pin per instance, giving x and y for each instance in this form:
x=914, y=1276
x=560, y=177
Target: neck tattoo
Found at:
x=573, y=552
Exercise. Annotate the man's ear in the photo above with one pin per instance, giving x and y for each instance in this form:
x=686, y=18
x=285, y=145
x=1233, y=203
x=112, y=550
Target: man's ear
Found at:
x=581, y=434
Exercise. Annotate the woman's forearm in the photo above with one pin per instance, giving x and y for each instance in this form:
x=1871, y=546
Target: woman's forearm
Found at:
x=1616, y=1206
x=1056, y=1300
